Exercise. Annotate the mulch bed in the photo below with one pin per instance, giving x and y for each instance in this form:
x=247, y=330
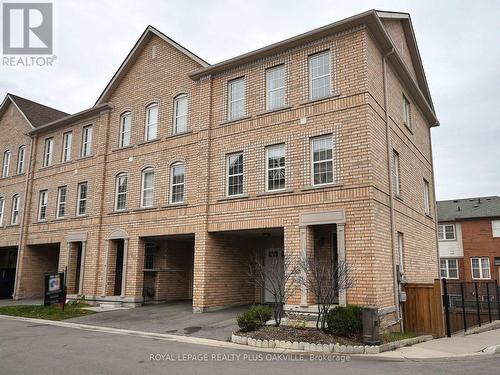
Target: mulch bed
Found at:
x=310, y=335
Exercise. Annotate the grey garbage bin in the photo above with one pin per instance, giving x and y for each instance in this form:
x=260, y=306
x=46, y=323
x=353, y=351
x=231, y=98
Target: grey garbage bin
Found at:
x=371, y=326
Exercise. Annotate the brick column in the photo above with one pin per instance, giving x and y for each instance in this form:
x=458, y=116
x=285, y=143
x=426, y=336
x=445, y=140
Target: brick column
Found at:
x=341, y=258
x=106, y=269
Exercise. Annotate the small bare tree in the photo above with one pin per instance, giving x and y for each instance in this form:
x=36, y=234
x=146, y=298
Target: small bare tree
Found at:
x=277, y=277
x=325, y=281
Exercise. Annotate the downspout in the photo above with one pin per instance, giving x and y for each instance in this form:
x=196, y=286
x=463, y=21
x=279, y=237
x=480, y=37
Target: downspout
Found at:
x=26, y=209
x=395, y=256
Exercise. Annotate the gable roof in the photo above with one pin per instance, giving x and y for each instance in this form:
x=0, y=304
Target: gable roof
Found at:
x=36, y=114
x=469, y=208
x=134, y=53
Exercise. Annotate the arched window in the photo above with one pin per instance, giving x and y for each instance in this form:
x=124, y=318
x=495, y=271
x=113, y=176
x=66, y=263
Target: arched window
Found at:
x=121, y=192
x=147, y=187
x=151, y=131
x=180, y=113
x=15, y=209
x=125, y=129
x=6, y=164
x=177, y=182
x=21, y=156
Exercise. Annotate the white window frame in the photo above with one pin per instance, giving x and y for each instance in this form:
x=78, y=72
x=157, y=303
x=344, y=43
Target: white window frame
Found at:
x=495, y=228
x=125, y=135
x=87, y=133
x=21, y=159
x=230, y=101
x=60, y=202
x=396, y=173
x=43, y=202
x=144, y=188
x=313, y=163
x=282, y=147
x=6, y=164
x=79, y=198
x=406, y=112
x=16, y=199
x=183, y=183
x=151, y=125
x=280, y=89
x=119, y=193
x=427, y=197
x=242, y=174
x=401, y=249
x=482, y=270
x=310, y=60
x=67, y=144
x=2, y=210
x=447, y=268
x=48, y=152
x=184, y=116
x=442, y=229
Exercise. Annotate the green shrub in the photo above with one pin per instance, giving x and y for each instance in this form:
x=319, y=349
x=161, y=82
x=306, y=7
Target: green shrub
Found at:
x=255, y=317
x=345, y=321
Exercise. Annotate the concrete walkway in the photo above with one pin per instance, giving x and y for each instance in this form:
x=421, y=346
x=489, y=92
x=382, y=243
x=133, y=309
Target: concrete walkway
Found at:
x=12, y=302
x=450, y=347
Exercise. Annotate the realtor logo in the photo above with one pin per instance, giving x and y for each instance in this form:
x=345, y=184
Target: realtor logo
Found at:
x=27, y=28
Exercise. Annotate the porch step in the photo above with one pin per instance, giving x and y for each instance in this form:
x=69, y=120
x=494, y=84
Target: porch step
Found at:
x=110, y=304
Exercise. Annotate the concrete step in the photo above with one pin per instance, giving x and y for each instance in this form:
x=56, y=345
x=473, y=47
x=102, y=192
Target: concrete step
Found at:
x=110, y=304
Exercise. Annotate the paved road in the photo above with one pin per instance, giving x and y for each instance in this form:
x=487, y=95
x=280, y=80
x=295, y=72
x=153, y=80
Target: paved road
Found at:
x=27, y=348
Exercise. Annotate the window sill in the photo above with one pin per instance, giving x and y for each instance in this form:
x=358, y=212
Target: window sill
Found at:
x=158, y=139
x=175, y=205
x=271, y=111
x=229, y=122
x=11, y=225
x=429, y=216
x=277, y=192
x=319, y=187
x=311, y=101
x=152, y=208
x=177, y=135
x=84, y=157
x=122, y=148
x=408, y=128
x=232, y=198
x=398, y=197
x=117, y=212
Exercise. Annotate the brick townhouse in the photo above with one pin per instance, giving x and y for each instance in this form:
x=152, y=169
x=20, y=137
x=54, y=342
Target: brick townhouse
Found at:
x=182, y=172
x=469, y=239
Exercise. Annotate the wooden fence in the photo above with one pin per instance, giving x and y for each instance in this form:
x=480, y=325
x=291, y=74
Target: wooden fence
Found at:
x=423, y=310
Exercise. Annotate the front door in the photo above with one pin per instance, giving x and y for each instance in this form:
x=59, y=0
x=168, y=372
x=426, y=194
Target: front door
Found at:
x=119, y=268
x=275, y=263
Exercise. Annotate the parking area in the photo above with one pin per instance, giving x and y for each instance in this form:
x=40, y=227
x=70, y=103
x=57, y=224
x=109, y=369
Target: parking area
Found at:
x=174, y=318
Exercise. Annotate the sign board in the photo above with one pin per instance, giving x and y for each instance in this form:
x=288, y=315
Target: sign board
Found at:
x=54, y=288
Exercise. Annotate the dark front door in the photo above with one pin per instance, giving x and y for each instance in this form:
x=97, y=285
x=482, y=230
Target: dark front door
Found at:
x=7, y=277
x=119, y=268
x=78, y=267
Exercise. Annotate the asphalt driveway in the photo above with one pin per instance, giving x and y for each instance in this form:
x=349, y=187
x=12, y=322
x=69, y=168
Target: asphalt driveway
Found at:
x=175, y=318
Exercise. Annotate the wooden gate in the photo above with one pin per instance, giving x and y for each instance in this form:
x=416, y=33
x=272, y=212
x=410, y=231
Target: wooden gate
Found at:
x=423, y=310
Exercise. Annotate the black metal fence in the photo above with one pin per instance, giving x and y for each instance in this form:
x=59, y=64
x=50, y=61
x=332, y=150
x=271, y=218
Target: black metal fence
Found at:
x=469, y=304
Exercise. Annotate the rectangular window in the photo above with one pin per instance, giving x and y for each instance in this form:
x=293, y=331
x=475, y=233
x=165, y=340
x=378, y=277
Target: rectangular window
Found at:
x=480, y=268
x=236, y=96
x=319, y=75
x=81, y=204
x=2, y=208
x=427, y=198
x=21, y=156
x=180, y=114
x=275, y=168
x=6, y=164
x=446, y=232
x=61, y=201
x=322, y=160
x=125, y=130
x=177, y=183
x=406, y=112
x=121, y=192
x=151, y=122
x=396, y=180
x=87, y=141
x=67, y=143
x=149, y=255
x=401, y=249
x=15, y=210
x=495, y=228
x=48, y=152
x=147, y=191
x=275, y=87
x=42, y=205
x=449, y=268
x=235, y=174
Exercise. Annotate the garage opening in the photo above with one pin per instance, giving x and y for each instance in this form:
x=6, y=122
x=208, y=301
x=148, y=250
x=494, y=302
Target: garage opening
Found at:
x=39, y=260
x=8, y=260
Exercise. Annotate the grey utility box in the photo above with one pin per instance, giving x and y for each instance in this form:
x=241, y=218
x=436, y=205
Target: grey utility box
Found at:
x=371, y=326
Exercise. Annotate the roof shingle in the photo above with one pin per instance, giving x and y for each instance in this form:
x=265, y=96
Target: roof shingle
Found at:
x=36, y=113
x=469, y=208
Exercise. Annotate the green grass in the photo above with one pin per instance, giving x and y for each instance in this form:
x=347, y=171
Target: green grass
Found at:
x=395, y=336
x=52, y=312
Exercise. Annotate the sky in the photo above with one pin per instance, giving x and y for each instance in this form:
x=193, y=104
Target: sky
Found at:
x=459, y=42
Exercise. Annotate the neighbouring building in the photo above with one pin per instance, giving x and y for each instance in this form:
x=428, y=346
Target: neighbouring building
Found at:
x=183, y=172
x=469, y=239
